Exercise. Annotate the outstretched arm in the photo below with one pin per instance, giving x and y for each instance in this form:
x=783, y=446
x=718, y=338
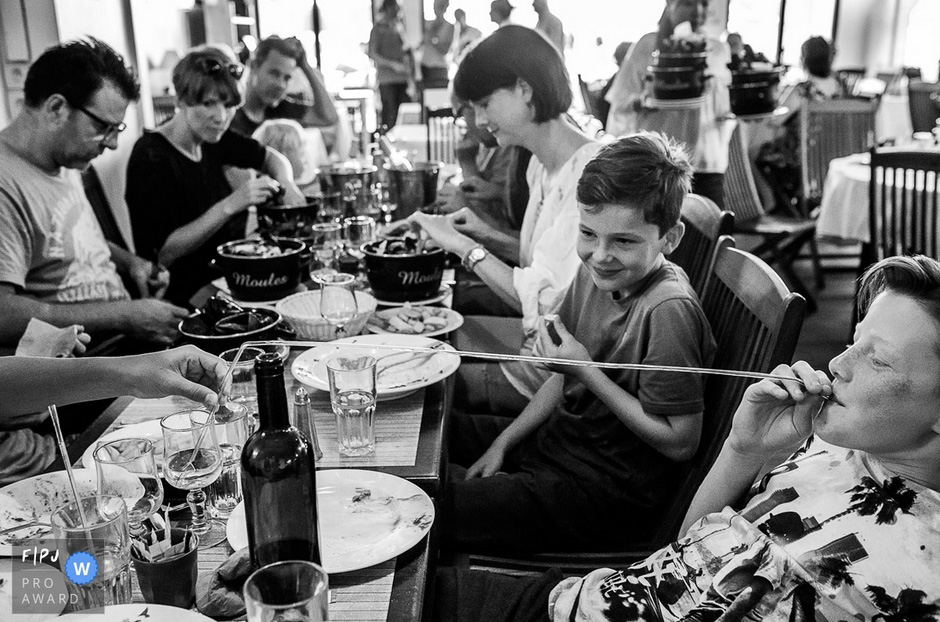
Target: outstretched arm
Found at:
x=32, y=383
x=774, y=418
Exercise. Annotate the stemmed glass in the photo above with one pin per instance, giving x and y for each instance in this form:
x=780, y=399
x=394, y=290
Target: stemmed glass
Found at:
x=126, y=468
x=338, y=300
x=326, y=242
x=193, y=461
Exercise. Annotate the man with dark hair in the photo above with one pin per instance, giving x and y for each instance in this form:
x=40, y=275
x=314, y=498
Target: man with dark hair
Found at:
x=266, y=96
x=55, y=264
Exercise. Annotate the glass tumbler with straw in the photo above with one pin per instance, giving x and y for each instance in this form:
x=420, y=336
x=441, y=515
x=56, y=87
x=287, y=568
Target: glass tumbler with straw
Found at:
x=127, y=468
x=338, y=300
x=288, y=590
x=231, y=431
x=193, y=461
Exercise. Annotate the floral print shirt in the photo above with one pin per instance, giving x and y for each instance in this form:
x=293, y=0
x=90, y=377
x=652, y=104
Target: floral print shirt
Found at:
x=829, y=535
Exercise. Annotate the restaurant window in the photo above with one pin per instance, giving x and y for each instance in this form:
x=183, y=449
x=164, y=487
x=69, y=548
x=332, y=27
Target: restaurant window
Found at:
x=758, y=22
x=922, y=47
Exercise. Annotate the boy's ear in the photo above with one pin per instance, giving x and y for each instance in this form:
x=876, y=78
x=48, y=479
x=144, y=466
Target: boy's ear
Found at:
x=526, y=89
x=673, y=237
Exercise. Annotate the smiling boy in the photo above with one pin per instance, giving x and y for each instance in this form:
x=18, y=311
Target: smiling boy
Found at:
x=591, y=460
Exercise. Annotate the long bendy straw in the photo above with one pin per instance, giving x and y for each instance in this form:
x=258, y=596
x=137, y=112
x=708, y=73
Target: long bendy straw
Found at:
x=60, y=439
x=490, y=356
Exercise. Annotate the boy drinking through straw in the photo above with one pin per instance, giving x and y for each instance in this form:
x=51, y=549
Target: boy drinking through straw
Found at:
x=590, y=461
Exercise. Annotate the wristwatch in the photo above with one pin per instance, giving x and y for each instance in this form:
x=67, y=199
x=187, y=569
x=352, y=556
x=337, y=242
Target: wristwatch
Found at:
x=473, y=257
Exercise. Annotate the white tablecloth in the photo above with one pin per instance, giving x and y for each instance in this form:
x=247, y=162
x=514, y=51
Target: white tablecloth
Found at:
x=843, y=213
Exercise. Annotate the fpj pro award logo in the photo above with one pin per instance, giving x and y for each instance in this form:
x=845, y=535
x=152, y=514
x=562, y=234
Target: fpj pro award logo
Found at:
x=39, y=586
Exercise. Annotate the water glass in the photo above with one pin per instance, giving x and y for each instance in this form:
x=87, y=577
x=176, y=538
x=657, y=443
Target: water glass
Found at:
x=352, y=395
x=243, y=390
x=326, y=242
x=358, y=230
x=331, y=207
x=231, y=430
x=95, y=528
x=291, y=590
x=127, y=468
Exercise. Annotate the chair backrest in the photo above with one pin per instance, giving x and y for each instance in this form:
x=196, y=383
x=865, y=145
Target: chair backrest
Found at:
x=922, y=98
x=830, y=129
x=756, y=322
x=850, y=75
x=442, y=135
x=705, y=223
x=164, y=107
x=741, y=195
x=903, y=203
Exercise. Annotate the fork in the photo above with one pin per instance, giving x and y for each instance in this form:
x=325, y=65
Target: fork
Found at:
x=411, y=359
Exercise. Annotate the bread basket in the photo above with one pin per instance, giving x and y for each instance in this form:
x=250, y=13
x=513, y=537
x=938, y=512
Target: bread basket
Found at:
x=302, y=311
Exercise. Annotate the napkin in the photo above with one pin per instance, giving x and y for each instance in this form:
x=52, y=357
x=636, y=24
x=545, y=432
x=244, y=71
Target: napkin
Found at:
x=219, y=595
x=44, y=339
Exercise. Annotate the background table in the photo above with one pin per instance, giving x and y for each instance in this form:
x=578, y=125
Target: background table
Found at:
x=843, y=210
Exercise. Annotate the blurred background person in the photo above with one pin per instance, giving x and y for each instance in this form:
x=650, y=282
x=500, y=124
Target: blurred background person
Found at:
x=392, y=62
x=435, y=48
x=291, y=140
x=500, y=12
x=181, y=203
x=465, y=34
x=550, y=25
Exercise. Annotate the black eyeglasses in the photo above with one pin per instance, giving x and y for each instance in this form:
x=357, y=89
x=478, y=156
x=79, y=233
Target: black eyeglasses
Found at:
x=106, y=127
x=211, y=66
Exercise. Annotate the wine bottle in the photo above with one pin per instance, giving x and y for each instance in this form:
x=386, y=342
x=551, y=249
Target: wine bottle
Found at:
x=278, y=477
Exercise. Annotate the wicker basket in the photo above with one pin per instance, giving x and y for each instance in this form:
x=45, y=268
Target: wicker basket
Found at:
x=302, y=311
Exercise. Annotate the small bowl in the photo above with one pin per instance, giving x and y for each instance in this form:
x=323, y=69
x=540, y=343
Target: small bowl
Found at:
x=404, y=278
x=302, y=311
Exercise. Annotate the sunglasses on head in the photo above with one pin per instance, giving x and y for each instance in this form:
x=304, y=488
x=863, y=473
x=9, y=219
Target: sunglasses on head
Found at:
x=211, y=67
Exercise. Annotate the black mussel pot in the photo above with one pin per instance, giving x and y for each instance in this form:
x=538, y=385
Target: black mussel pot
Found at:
x=255, y=276
x=677, y=82
x=288, y=221
x=403, y=277
x=217, y=336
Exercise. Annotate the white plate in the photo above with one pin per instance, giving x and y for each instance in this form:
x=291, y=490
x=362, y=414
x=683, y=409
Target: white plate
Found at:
x=454, y=321
x=35, y=498
x=142, y=612
x=310, y=367
x=441, y=294
x=356, y=534
x=149, y=430
x=7, y=567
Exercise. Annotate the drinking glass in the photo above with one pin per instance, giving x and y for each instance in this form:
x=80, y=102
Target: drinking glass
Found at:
x=352, y=395
x=231, y=431
x=290, y=590
x=385, y=201
x=193, y=461
x=358, y=230
x=243, y=390
x=326, y=241
x=94, y=527
x=127, y=468
x=331, y=207
x=338, y=300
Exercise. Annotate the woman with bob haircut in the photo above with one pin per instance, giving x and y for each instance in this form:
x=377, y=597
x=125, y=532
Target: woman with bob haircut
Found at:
x=181, y=204
x=824, y=503
x=516, y=82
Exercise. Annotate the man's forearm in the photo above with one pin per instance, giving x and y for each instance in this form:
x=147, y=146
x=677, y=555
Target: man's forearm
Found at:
x=323, y=105
x=17, y=310
x=75, y=381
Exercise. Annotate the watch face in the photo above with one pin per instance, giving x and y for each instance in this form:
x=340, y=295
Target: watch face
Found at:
x=477, y=254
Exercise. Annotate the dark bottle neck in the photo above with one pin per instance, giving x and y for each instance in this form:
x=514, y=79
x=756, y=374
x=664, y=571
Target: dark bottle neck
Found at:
x=273, y=412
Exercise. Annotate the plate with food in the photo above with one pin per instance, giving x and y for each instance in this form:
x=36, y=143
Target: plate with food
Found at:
x=399, y=372
x=412, y=319
x=135, y=612
x=29, y=503
x=366, y=518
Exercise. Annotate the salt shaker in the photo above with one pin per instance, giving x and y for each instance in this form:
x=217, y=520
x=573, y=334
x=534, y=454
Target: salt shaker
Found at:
x=304, y=420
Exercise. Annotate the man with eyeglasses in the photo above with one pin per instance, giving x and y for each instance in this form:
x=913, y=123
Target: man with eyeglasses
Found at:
x=55, y=264
x=266, y=96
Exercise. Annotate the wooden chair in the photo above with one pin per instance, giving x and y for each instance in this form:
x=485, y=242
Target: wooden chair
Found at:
x=442, y=135
x=756, y=322
x=705, y=223
x=924, y=101
x=782, y=238
x=831, y=129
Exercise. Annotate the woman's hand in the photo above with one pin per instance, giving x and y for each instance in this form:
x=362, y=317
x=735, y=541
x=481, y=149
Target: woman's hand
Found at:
x=480, y=189
x=489, y=463
x=186, y=371
x=467, y=222
x=253, y=192
x=293, y=195
x=556, y=342
x=441, y=230
x=776, y=416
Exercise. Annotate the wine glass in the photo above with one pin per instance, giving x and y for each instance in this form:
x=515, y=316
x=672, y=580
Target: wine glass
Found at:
x=126, y=468
x=338, y=300
x=385, y=200
x=326, y=240
x=193, y=461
